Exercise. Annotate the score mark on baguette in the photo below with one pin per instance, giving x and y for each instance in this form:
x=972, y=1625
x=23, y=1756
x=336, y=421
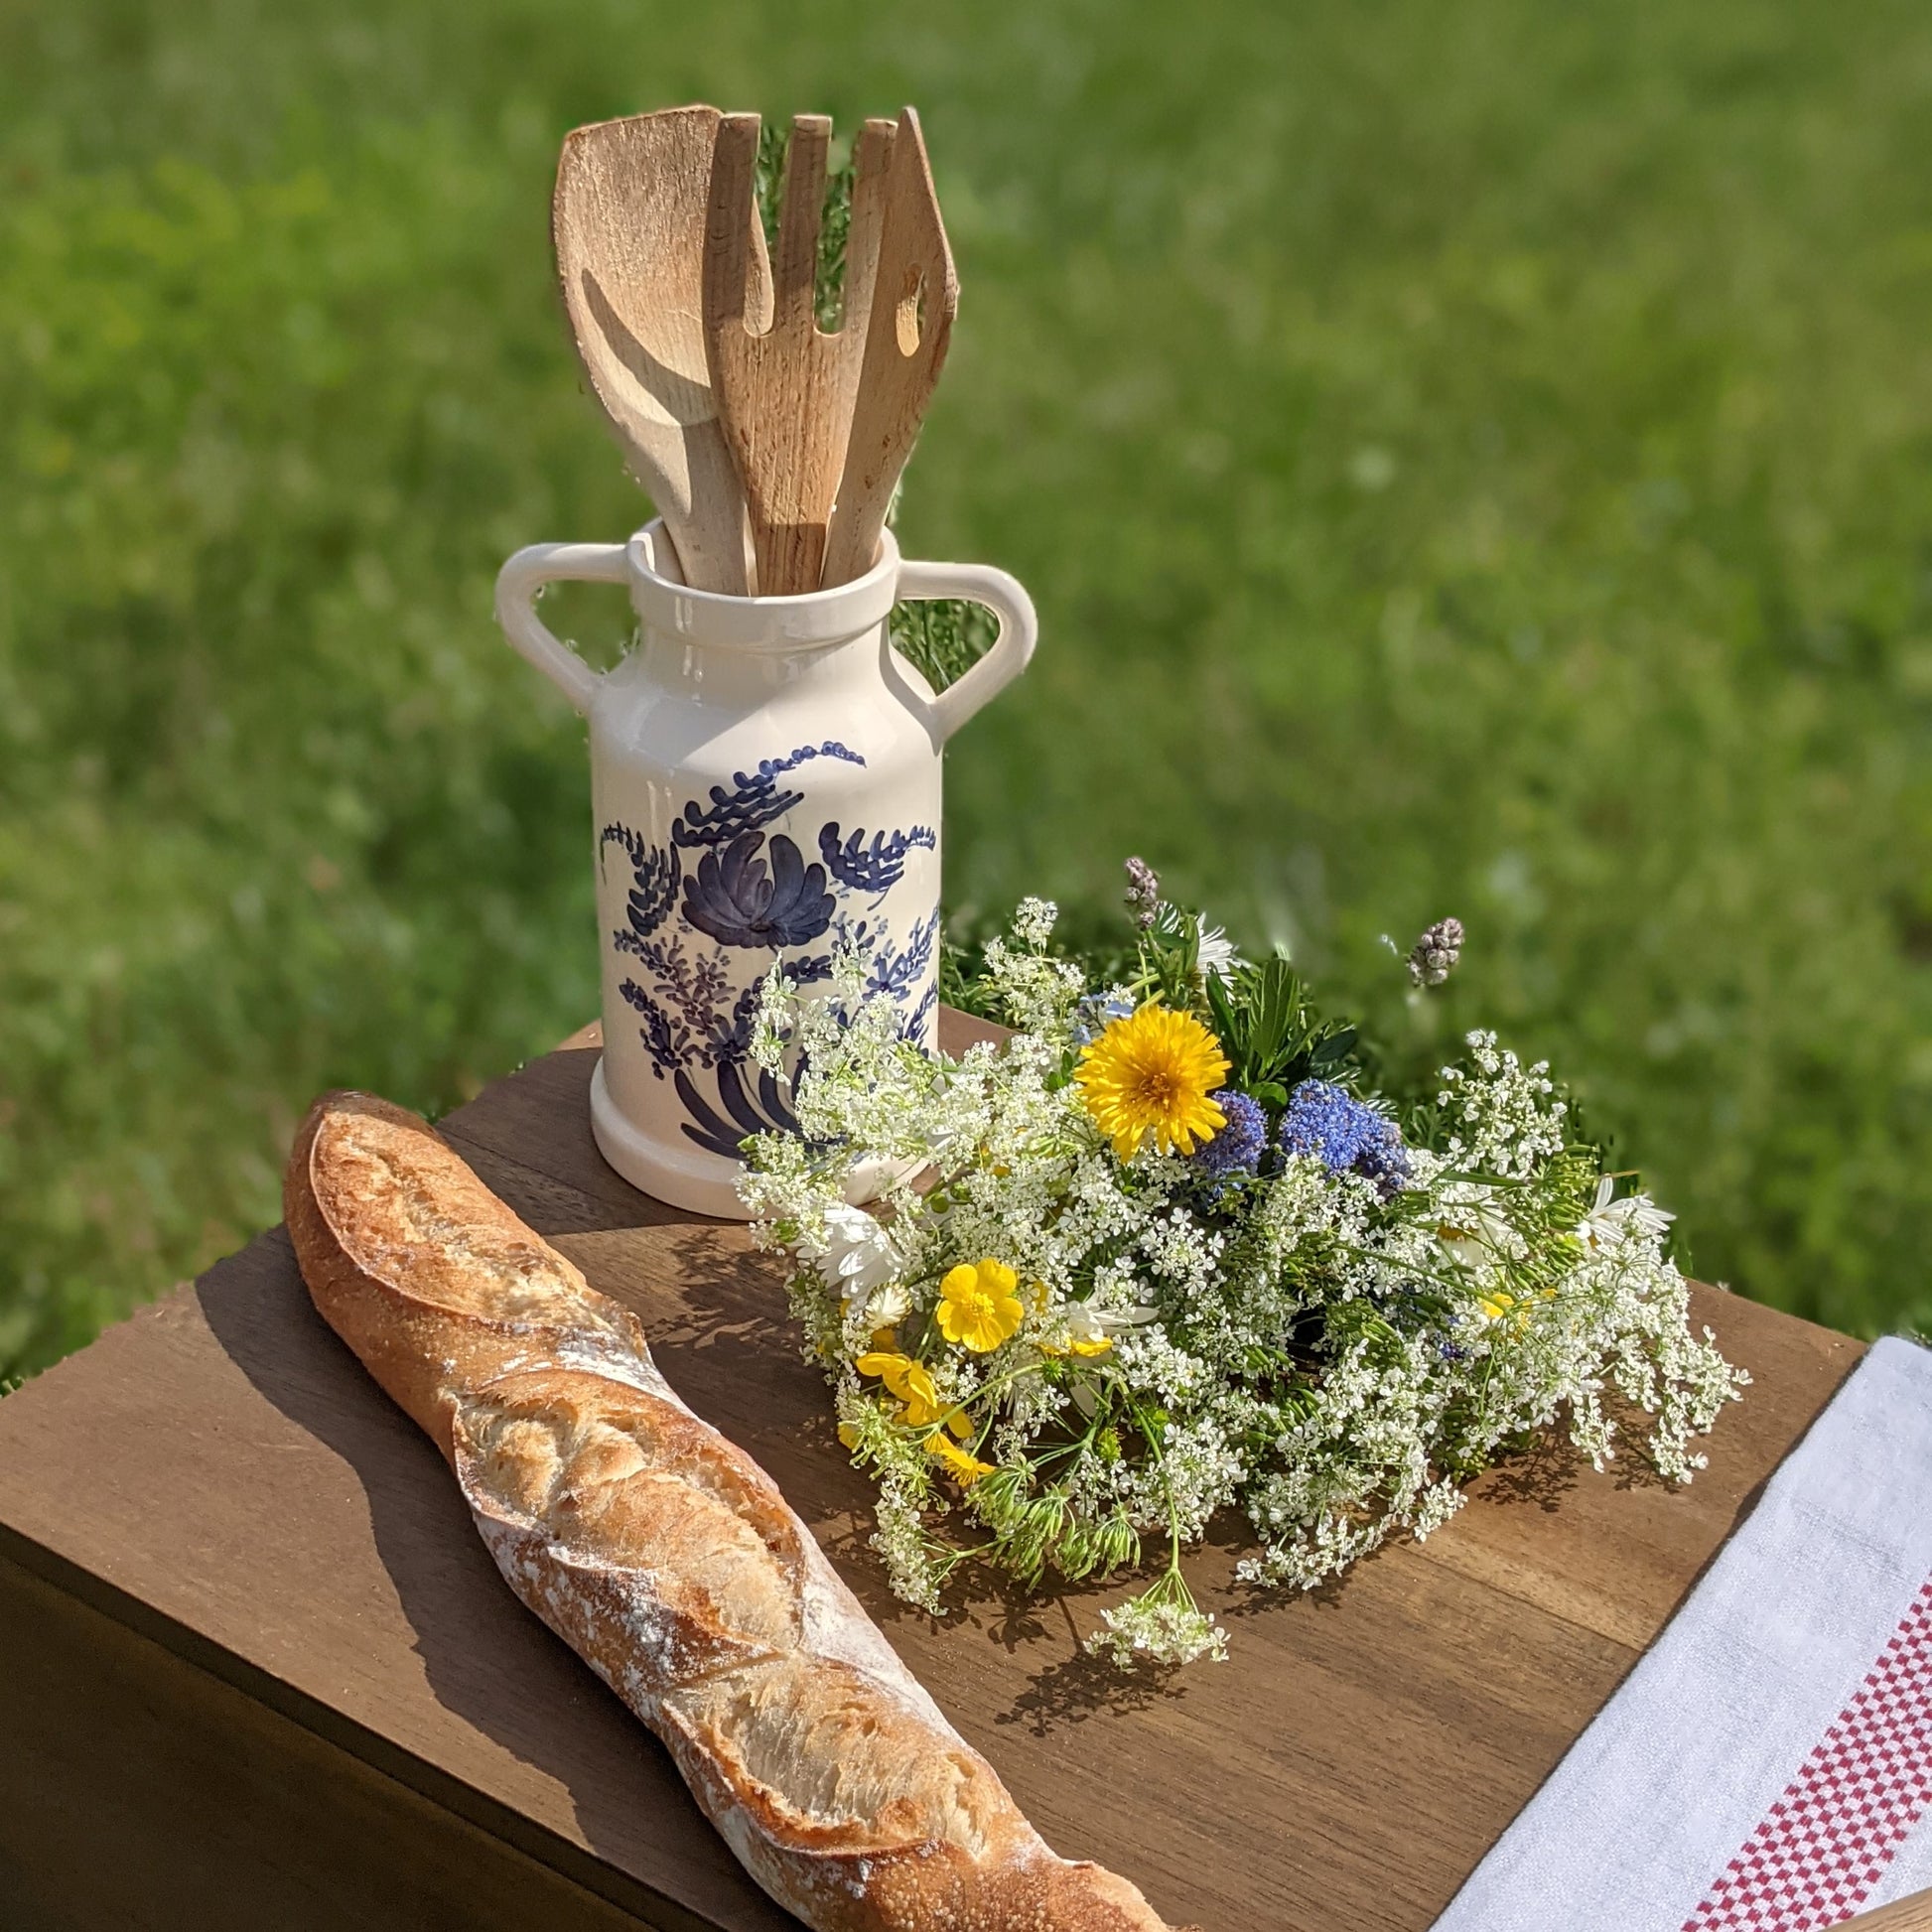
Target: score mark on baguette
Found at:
x=664, y=1555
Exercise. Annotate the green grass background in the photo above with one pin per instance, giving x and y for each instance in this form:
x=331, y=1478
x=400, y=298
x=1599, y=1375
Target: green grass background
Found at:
x=1467, y=458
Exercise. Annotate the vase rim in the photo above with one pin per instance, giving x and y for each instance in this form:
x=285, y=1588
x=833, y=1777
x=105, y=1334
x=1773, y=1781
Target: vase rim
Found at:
x=669, y=605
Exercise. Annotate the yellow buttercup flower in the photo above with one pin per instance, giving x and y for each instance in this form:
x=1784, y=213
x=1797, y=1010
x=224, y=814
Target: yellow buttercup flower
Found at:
x=1500, y=1304
x=1079, y=1345
x=962, y=1462
x=909, y=1381
x=1153, y=1073
x=978, y=1308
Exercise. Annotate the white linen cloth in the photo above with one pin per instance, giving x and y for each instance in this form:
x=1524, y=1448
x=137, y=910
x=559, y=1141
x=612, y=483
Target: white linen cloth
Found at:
x=1768, y=1762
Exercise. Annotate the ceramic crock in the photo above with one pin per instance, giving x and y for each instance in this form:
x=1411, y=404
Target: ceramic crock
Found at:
x=764, y=776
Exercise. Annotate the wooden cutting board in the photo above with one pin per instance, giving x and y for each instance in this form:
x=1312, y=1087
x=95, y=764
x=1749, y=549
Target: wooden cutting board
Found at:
x=259, y=1671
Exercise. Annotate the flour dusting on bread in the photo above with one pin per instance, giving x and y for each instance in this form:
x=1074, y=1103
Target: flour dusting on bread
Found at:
x=664, y=1556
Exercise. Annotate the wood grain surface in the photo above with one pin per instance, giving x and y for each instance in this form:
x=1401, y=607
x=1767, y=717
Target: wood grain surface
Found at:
x=914, y=293
x=627, y=225
x=784, y=393
x=1913, y=1914
x=219, y=1478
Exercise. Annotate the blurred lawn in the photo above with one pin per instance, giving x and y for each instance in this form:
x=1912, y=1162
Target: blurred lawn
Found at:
x=1471, y=459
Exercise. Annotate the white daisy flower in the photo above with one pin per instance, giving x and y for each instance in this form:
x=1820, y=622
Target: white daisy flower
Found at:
x=858, y=1256
x=1091, y=1330
x=1215, y=952
x=1477, y=1232
x=887, y=1307
x=1609, y=1223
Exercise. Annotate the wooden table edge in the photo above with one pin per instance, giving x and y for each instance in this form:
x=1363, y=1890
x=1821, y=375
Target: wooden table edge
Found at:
x=1913, y=1913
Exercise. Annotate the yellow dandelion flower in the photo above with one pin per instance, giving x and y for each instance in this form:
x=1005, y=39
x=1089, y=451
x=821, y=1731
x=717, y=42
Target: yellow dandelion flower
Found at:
x=978, y=1308
x=1153, y=1073
x=909, y=1381
x=962, y=1462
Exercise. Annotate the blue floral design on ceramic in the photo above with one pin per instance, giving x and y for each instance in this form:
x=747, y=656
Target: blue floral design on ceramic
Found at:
x=771, y=1110
x=651, y=900
x=874, y=869
x=895, y=973
x=741, y=898
x=747, y=888
x=756, y=800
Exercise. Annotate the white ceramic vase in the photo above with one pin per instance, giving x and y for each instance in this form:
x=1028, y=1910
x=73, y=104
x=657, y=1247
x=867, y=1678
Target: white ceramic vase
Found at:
x=766, y=776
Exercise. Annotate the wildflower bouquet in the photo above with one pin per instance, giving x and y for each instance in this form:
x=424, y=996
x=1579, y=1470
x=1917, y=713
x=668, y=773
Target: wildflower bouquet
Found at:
x=1163, y=1253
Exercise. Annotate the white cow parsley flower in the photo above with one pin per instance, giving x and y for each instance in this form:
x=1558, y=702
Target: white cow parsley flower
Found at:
x=1034, y=922
x=1159, y=1629
x=1051, y=1358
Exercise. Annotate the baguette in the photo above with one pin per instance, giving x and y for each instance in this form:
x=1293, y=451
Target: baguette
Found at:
x=664, y=1556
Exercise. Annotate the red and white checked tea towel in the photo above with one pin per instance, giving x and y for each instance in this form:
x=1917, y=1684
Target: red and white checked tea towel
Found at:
x=1767, y=1766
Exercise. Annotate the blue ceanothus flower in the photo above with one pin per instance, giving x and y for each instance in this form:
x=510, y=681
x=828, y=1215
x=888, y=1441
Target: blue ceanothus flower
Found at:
x=740, y=900
x=1344, y=1133
x=1237, y=1149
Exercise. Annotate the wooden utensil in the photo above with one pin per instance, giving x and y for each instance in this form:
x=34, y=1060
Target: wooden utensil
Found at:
x=785, y=395
x=914, y=297
x=629, y=223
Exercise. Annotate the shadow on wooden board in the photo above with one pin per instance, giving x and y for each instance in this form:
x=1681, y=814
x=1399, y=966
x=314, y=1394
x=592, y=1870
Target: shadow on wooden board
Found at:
x=466, y=1638
x=219, y=1812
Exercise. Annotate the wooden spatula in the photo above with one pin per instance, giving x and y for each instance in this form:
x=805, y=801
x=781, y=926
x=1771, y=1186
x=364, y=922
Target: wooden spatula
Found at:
x=628, y=222
x=785, y=395
x=915, y=295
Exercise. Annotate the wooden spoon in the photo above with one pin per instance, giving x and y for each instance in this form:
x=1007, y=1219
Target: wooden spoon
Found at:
x=784, y=394
x=916, y=296
x=629, y=223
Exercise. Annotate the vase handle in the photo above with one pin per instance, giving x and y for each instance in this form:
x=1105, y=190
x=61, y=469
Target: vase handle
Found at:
x=1011, y=650
x=517, y=585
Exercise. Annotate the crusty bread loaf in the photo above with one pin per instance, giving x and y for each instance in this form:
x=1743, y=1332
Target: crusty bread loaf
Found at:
x=664, y=1556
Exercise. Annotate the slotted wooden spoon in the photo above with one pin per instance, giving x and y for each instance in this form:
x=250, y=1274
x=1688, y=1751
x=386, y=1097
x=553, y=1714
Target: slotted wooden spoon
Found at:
x=916, y=296
x=784, y=394
x=629, y=223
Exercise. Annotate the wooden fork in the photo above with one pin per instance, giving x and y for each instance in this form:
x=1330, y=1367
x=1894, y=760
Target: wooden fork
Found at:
x=784, y=396
x=914, y=297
